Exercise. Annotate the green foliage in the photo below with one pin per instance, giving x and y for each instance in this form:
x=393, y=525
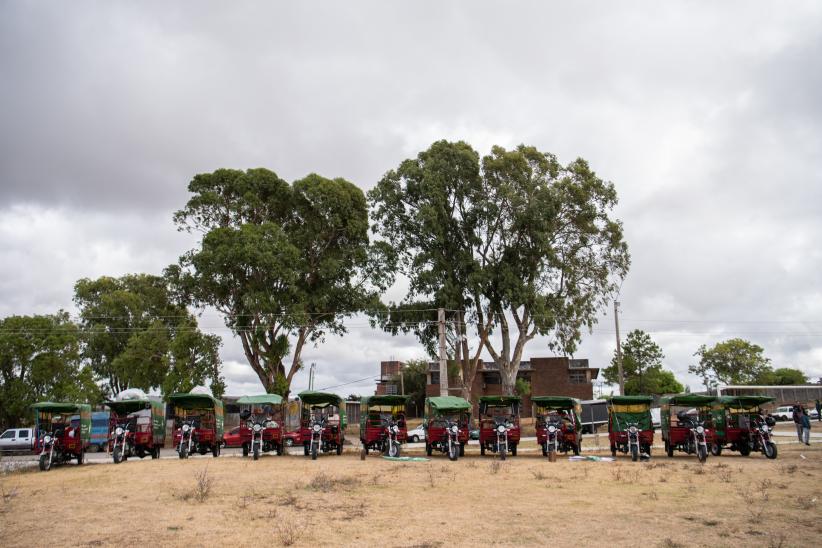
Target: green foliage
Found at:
x=783, y=376
x=40, y=360
x=514, y=235
x=284, y=263
x=522, y=387
x=735, y=361
x=137, y=336
x=415, y=375
x=642, y=367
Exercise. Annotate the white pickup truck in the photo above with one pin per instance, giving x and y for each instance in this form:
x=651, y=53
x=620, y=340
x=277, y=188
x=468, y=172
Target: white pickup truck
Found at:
x=17, y=439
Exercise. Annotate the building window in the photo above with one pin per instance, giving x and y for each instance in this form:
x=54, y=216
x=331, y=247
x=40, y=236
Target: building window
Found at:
x=391, y=389
x=435, y=377
x=491, y=378
x=577, y=377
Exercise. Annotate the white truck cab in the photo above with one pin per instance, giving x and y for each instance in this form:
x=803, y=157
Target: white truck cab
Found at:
x=17, y=439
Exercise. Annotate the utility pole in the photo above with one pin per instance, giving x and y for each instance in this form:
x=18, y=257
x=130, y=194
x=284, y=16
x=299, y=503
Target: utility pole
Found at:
x=619, y=350
x=402, y=380
x=311, y=376
x=443, y=361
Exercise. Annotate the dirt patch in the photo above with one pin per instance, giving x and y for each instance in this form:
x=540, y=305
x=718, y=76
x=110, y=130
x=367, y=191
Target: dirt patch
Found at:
x=341, y=500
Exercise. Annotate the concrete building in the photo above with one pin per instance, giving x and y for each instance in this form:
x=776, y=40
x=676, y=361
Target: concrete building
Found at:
x=389, y=381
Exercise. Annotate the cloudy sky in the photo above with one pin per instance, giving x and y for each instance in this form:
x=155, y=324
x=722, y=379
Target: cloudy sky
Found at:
x=706, y=118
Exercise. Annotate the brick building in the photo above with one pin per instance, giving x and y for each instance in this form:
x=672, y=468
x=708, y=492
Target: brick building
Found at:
x=547, y=376
x=389, y=382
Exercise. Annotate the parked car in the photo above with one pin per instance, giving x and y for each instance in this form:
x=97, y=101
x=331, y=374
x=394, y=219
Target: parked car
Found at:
x=17, y=439
x=416, y=434
x=232, y=438
x=474, y=433
x=292, y=438
x=783, y=413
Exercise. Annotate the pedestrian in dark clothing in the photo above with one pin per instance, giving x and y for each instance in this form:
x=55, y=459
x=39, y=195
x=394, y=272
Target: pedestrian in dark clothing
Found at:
x=797, y=420
x=818, y=410
x=806, y=428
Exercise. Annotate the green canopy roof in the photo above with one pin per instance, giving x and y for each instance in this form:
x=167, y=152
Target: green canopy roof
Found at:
x=187, y=400
x=448, y=403
x=59, y=407
x=128, y=406
x=555, y=402
x=628, y=400
x=499, y=400
x=261, y=399
x=320, y=398
x=384, y=400
x=695, y=400
x=744, y=401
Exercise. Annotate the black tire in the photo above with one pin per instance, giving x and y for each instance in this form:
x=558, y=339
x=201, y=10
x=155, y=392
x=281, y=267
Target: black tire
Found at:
x=716, y=449
x=770, y=450
x=117, y=454
x=576, y=449
x=513, y=449
x=81, y=457
x=415, y=439
x=366, y=448
x=648, y=450
x=634, y=453
x=256, y=454
x=701, y=453
x=453, y=452
x=503, y=451
x=394, y=450
x=462, y=449
x=306, y=451
x=669, y=449
x=203, y=450
x=482, y=449
x=45, y=465
x=245, y=450
x=155, y=452
x=339, y=448
x=613, y=450
x=314, y=451
x=545, y=449
x=141, y=453
x=745, y=449
x=215, y=450
x=429, y=449
x=183, y=451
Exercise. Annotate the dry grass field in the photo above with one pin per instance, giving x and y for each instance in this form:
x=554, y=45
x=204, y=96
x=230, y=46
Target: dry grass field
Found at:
x=344, y=501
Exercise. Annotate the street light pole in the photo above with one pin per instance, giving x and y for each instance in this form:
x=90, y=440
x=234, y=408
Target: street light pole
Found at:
x=619, y=350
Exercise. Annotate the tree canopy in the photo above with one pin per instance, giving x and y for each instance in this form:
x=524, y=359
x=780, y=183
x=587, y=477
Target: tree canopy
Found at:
x=40, y=360
x=284, y=263
x=642, y=367
x=512, y=242
x=137, y=336
x=735, y=361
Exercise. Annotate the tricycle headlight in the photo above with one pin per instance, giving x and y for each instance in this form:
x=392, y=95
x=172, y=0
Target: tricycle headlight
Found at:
x=700, y=430
x=46, y=439
x=395, y=429
x=454, y=429
x=501, y=428
x=186, y=428
x=764, y=428
x=552, y=428
x=257, y=427
x=272, y=424
x=632, y=429
x=118, y=431
x=317, y=428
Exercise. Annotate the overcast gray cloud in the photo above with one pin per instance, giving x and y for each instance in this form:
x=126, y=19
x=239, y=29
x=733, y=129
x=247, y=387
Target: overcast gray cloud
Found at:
x=706, y=118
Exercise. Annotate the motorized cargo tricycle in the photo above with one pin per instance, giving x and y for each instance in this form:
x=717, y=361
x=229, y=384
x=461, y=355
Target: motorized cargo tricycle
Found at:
x=62, y=432
x=322, y=422
x=740, y=425
x=198, y=422
x=446, y=421
x=499, y=424
x=137, y=427
x=382, y=424
x=687, y=424
x=630, y=427
x=557, y=424
x=261, y=424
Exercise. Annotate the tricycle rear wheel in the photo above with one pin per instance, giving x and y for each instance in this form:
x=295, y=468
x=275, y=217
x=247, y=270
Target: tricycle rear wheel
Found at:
x=245, y=449
x=716, y=449
x=482, y=449
x=215, y=450
x=576, y=449
x=81, y=456
x=462, y=449
x=428, y=449
x=613, y=450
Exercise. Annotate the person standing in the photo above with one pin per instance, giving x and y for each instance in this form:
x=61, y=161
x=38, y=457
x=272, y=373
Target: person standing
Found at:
x=797, y=420
x=806, y=427
x=818, y=410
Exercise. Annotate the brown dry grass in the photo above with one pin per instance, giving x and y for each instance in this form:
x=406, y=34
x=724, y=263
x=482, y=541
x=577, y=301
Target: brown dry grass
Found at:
x=344, y=501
